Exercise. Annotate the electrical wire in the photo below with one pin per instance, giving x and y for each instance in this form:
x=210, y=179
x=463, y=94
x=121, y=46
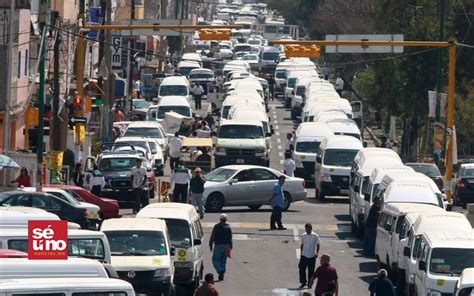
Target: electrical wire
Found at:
x=465, y=45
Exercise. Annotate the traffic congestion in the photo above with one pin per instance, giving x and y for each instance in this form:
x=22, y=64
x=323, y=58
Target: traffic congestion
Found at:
x=221, y=165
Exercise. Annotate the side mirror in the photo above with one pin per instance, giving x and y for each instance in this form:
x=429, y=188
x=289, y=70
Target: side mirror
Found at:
x=197, y=242
x=367, y=197
x=233, y=181
x=318, y=159
x=406, y=251
x=422, y=265
x=172, y=251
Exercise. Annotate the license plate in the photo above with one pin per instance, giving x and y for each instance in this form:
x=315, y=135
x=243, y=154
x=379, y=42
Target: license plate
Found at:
x=239, y=161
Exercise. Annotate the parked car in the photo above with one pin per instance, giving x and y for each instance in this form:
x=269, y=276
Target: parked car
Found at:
x=48, y=202
x=464, y=190
x=430, y=170
x=248, y=185
x=140, y=108
x=109, y=208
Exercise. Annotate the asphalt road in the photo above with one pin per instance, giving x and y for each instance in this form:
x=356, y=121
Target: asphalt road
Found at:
x=265, y=262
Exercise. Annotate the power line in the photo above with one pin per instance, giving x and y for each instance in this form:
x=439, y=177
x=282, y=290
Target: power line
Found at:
x=465, y=45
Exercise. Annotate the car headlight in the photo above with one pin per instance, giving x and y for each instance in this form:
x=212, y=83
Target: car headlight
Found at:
x=325, y=178
x=183, y=264
x=162, y=272
x=434, y=293
x=299, y=164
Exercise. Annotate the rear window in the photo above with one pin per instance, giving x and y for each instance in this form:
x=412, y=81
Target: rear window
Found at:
x=307, y=147
x=291, y=82
x=147, y=132
x=281, y=74
x=179, y=231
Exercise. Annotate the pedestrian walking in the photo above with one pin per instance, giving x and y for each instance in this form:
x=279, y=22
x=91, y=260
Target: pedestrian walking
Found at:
x=382, y=285
x=210, y=120
x=207, y=288
x=370, y=229
x=196, y=186
x=309, y=252
x=339, y=85
x=290, y=143
x=23, y=179
x=96, y=181
x=220, y=245
x=289, y=165
x=139, y=182
x=278, y=202
x=180, y=178
x=174, y=146
x=271, y=86
x=197, y=91
x=325, y=71
x=118, y=115
x=78, y=177
x=327, y=278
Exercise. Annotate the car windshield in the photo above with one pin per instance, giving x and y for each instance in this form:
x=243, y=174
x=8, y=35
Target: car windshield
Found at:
x=200, y=75
x=142, y=144
x=307, y=147
x=291, y=82
x=183, y=110
x=339, y=157
x=179, y=231
x=220, y=175
x=116, y=164
x=429, y=170
x=467, y=172
x=254, y=41
x=451, y=260
x=281, y=74
x=140, y=104
x=270, y=56
x=87, y=248
x=237, y=131
x=147, y=132
x=240, y=48
x=249, y=57
x=185, y=70
x=173, y=90
x=136, y=243
x=75, y=195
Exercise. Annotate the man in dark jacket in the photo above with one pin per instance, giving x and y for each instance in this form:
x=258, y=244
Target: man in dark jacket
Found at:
x=381, y=285
x=220, y=244
x=370, y=231
x=207, y=288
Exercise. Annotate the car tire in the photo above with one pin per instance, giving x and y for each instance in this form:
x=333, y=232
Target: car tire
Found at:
x=254, y=207
x=214, y=202
x=287, y=200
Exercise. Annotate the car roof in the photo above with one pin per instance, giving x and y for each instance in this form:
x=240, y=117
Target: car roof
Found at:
x=316, y=129
x=12, y=217
x=174, y=80
x=169, y=210
x=145, y=124
x=380, y=171
x=369, y=151
x=467, y=165
x=174, y=101
x=47, y=284
x=241, y=122
x=250, y=114
x=200, y=70
x=342, y=141
x=450, y=239
x=138, y=223
x=378, y=161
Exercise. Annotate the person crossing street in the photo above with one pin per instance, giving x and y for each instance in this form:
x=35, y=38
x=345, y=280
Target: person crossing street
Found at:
x=220, y=245
x=139, y=182
x=197, y=91
x=309, y=252
x=196, y=186
x=180, y=178
x=278, y=202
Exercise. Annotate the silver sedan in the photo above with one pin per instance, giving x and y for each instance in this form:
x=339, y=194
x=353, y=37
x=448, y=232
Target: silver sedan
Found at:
x=248, y=185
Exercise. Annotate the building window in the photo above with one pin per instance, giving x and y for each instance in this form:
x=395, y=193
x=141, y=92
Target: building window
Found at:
x=26, y=62
x=19, y=64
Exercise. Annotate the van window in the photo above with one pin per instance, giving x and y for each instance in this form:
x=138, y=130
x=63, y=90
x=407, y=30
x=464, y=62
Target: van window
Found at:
x=389, y=223
x=137, y=243
x=280, y=74
x=173, y=90
x=307, y=147
x=36, y=293
x=365, y=184
x=180, y=233
x=382, y=219
x=339, y=157
x=183, y=110
x=419, y=250
x=291, y=82
x=300, y=90
x=400, y=223
x=451, y=260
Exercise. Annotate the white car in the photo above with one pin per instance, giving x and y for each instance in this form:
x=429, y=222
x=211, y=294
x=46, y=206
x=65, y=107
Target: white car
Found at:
x=251, y=58
x=247, y=185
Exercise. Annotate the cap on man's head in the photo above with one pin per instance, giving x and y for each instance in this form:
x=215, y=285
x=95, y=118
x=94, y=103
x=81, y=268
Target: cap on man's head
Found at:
x=223, y=217
x=198, y=169
x=282, y=177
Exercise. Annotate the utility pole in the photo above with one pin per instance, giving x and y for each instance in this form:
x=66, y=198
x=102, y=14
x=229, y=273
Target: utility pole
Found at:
x=40, y=130
x=439, y=87
x=131, y=46
x=8, y=93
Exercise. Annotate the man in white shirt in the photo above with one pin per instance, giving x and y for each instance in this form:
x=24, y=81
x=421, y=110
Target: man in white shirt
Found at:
x=309, y=252
x=180, y=177
x=339, y=85
x=174, y=146
x=139, y=181
x=197, y=91
x=289, y=165
x=289, y=143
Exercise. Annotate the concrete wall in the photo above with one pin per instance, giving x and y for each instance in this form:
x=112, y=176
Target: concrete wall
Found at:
x=68, y=9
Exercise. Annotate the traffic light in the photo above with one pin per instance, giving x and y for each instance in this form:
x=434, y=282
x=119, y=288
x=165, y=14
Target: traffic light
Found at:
x=31, y=116
x=302, y=51
x=78, y=106
x=214, y=34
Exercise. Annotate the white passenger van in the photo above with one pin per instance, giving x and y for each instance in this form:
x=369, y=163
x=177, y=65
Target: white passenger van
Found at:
x=192, y=57
x=231, y=100
x=174, y=86
x=343, y=104
x=299, y=97
x=236, y=65
x=410, y=234
x=65, y=286
x=244, y=113
x=333, y=165
x=441, y=258
x=408, y=190
x=282, y=68
x=17, y=268
x=465, y=285
x=241, y=142
x=186, y=237
x=177, y=104
x=367, y=154
x=142, y=253
x=330, y=115
x=81, y=243
x=184, y=67
x=346, y=127
x=17, y=217
x=308, y=116
x=291, y=77
x=308, y=138
x=389, y=228
x=249, y=83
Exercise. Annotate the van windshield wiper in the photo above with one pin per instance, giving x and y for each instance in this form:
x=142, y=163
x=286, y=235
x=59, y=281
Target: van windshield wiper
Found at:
x=129, y=254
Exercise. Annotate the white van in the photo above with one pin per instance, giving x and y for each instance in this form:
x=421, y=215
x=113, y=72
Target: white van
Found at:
x=441, y=258
x=308, y=138
x=249, y=83
x=367, y=154
x=255, y=113
x=411, y=191
x=17, y=268
x=233, y=99
x=186, y=236
x=192, y=57
x=465, y=285
x=246, y=104
x=291, y=77
x=411, y=236
x=389, y=228
x=333, y=165
x=345, y=127
x=184, y=67
x=81, y=243
x=176, y=104
x=65, y=286
x=299, y=97
x=241, y=142
x=174, y=86
x=343, y=104
x=236, y=65
x=141, y=253
x=309, y=115
x=17, y=217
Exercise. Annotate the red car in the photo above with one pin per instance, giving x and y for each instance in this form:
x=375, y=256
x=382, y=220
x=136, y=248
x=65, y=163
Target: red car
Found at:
x=109, y=208
x=8, y=253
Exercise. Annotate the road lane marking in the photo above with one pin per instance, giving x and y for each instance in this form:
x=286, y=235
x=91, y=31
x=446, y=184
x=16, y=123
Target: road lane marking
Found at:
x=275, y=116
x=277, y=133
x=281, y=161
x=276, y=121
x=296, y=234
x=280, y=154
x=279, y=147
x=277, y=127
x=298, y=254
x=278, y=140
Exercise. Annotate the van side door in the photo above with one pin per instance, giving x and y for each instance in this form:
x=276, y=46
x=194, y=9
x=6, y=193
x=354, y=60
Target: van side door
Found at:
x=198, y=237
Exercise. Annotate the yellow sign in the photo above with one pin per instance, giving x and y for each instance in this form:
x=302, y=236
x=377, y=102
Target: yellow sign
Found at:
x=438, y=137
x=156, y=261
x=182, y=254
x=440, y=282
x=55, y=160
x=81, y=133
x=331, y=170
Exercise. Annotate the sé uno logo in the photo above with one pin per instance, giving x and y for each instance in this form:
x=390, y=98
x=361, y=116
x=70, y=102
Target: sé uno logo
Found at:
x=47, y=239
